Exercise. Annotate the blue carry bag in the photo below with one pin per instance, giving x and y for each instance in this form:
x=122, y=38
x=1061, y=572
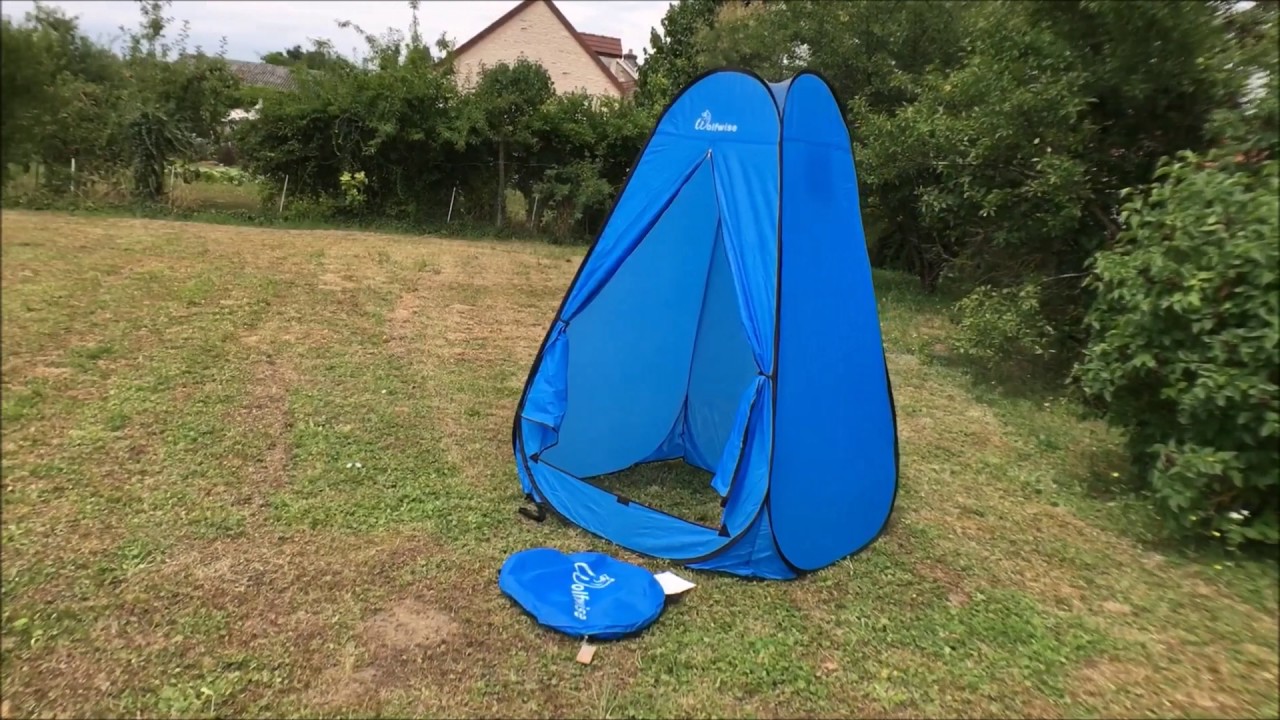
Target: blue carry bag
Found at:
x=587, y=594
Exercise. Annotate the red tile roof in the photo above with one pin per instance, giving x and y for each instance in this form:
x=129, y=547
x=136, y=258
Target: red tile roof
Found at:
x=603, y=44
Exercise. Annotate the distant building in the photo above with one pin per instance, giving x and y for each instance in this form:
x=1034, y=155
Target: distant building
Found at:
x=538, y=31
x=260, y=74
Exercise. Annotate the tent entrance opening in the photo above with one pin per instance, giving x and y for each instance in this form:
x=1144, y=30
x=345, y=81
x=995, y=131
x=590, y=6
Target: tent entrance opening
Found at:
x=658, y=364
x=672, y=486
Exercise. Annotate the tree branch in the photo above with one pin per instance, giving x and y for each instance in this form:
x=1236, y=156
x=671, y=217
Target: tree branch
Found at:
x=1112, y=228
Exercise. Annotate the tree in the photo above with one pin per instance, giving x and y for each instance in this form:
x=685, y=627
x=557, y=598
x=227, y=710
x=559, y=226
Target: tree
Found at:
x=26, y=75
x=388, y=124
x=584, y=148
x=392, y=49
x=319, y=57
x=1185, y=325
x=1002, y=171
x=62, y=94
x=504, y=109
x=176, y=97
x=673, y=59
x=759, y=36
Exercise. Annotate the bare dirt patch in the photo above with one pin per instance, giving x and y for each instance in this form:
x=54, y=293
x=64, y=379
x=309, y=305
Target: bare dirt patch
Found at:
x=408, y=625
x=475, y=322
x=1115, y=608
x=387, y=655
x=267, y=409
x=45, y=372
x=333, y=281
x=1145, y=690
x=952, y=582
x=899, y=361
x=402, y=318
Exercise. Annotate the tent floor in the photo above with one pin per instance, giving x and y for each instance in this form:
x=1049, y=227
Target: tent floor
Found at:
x=672, y=486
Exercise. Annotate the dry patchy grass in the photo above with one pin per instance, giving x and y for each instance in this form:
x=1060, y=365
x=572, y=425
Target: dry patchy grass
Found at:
x=268, y=472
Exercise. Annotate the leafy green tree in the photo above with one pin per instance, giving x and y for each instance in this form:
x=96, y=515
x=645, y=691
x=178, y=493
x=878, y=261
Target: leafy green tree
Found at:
x=584, y=149
x=389, y=124
x=26, y=75
x=981, y=174
x=1184, y=337
x=504, y=110
x=176, y=97
x=392, y=49
x=320, y=57
x=673, y=59
x=759, y=36
x=60, y=93
x=1007, y=164
x=1184, y=333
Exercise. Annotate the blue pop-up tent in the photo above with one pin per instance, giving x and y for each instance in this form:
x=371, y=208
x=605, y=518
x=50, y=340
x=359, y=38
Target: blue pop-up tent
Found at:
x=724, y=316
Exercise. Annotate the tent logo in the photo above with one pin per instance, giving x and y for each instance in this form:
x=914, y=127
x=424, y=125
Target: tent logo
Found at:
x=584, y=578
x=704, y=122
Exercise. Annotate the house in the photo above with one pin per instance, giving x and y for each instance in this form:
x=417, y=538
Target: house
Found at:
x=538, y=31
x=260, y=74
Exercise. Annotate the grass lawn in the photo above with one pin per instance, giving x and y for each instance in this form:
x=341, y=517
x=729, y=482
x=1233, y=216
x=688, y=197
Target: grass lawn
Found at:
x=185, y=533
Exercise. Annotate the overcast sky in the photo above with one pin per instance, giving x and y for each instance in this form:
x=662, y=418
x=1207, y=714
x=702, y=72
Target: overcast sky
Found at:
x=255, y=27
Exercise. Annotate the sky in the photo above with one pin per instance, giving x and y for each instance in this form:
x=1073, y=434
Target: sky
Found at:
x=255, y=27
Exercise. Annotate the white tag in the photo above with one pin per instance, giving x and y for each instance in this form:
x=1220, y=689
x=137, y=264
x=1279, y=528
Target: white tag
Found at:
x=673, y=584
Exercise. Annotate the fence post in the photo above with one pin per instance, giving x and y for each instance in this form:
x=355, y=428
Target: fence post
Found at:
x=173, y=184
x=449, y=218
x=73, y=176
x=282, y=194
x=535, y=211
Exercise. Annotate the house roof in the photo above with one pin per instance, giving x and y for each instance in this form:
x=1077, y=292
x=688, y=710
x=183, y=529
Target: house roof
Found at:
x=260, y=74
x=603, y=44
x=579, y=37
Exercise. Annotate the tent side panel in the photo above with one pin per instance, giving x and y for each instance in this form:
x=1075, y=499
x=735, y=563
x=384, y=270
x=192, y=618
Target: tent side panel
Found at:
x=834, y=476
x=754, y=555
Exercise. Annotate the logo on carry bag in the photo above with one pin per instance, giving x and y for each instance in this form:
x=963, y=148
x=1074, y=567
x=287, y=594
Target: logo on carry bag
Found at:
x=584, y=579
x=704, y=122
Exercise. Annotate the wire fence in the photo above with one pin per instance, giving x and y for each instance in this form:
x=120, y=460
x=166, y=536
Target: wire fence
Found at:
x=458, y=192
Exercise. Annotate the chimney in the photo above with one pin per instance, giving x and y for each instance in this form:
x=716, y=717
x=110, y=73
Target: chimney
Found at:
x=630, y=57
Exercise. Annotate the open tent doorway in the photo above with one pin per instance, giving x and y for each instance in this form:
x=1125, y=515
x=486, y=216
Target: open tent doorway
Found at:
x=660, y=357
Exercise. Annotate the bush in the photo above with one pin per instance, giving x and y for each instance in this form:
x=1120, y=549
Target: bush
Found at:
x=1184, y=336
x=567, y=193
x=227, y=155
x=1001, y=325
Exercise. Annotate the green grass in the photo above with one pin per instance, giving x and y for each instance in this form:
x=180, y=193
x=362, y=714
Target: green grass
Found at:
x=268, y=472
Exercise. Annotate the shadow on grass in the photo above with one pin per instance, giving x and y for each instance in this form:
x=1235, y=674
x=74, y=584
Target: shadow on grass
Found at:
x=1091, y=470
